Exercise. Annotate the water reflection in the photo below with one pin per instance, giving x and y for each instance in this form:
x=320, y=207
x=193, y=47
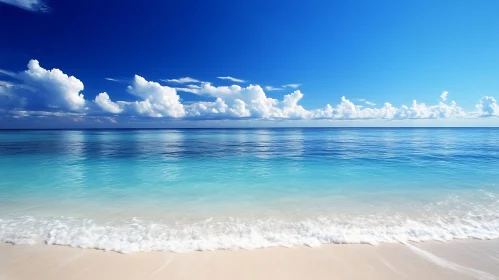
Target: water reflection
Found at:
x=167, y=167
x=263, y=143
x=72, y=166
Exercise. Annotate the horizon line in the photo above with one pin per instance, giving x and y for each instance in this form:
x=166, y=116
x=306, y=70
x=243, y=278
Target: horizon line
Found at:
x=272, y=127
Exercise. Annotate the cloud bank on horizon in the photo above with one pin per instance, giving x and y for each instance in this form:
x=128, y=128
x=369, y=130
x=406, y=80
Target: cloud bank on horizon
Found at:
x=41, y=92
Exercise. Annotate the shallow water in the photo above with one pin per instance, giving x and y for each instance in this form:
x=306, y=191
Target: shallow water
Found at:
x=205, y=189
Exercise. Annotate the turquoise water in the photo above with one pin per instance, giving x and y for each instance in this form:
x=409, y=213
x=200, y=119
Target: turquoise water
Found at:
x=206, y=189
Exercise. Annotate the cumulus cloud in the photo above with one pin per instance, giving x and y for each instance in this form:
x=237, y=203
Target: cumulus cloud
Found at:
x=346, y=109
x=443, y=96
x=422, y=111
x=487, y=107
x=44, y=92
x=53, y=89
x=155, y=101
x=251, y=101
x=291, y=109
x=183, y=80
x=105, y=103
x=158, y=100
x=235, y=80
x=219, y=108
x=30, y=5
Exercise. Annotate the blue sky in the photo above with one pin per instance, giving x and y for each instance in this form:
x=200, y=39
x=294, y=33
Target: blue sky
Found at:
x=288, y=61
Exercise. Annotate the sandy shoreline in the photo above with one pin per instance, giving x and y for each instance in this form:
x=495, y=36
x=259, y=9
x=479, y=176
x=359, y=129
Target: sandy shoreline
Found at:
x=465, y=259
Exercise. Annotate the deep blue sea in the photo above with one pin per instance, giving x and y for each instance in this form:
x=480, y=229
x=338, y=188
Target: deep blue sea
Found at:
x=205, y=189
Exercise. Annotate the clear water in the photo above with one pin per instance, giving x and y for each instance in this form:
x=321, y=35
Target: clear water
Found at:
x=206, y=189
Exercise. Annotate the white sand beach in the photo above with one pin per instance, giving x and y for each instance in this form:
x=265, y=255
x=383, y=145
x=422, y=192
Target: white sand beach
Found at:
x=462, y=259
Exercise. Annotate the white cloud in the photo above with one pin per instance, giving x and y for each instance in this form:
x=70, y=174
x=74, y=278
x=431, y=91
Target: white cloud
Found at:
x=113, y=80
x=7, y=73
x=105, y=103
x=182, y=80
x=112, y=120
x=239, y=109
x=237, y=99
x=271, y=88
x=367, y=102
x=10, y=88
x=190, y=88
x=157, y=100
x=30, y=5
x=53, y=93
x=9, y=97
x=422, y=111
x=443, y=96
x=5, y=89
x=487, y=107
x=326, y=113
x=291, y=109
x=54, y=89
x=208, y=108
x=250, y=101
x=348, y=110
x=235, y=80
x=19, y=113
x=6, y=84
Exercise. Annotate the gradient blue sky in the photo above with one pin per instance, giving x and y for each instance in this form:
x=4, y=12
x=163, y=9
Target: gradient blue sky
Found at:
x=376, y=51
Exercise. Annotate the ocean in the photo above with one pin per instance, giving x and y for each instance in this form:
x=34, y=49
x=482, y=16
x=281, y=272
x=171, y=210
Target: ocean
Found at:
x=184, y=190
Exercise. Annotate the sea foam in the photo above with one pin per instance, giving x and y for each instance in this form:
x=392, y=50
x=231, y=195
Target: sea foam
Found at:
x=135, y=235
